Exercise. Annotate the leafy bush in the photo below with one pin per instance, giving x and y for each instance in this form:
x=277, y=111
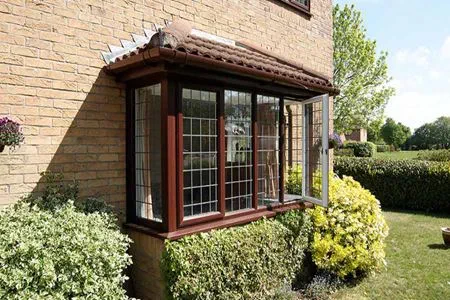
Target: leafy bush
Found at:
x=344, y=152
x=254, y=261
x=58, y=193
x=321, y=287
x=348, y=236
x=361, y=149
x=294, y=180
x=403, y=184
x=60, y=254
x=435, y=155
x=55, y=194
x=383, y=148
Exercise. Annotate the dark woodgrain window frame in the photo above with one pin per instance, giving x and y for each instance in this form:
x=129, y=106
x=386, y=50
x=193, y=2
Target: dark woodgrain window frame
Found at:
x=306, y=9
x=173, y=80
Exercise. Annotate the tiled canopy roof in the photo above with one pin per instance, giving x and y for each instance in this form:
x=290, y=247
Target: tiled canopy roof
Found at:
x=181, y=38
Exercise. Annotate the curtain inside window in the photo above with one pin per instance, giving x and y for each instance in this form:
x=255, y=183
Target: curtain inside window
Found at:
x=268, y=111
x=148, y=152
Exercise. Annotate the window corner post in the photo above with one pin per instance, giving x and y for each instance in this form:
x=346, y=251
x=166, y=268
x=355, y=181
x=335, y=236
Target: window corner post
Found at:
x=168, y=151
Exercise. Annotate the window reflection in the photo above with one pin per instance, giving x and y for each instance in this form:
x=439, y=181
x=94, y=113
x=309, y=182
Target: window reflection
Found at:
x=147, y=137
x=238, y=141
x=268, y=112
x=199, y=152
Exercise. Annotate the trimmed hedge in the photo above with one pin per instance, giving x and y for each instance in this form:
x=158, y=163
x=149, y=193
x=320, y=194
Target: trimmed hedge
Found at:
x=361, y=149
x=383, y=148
x=404, y=184
x=344, y=152
x=254, y=261
x=434, y=155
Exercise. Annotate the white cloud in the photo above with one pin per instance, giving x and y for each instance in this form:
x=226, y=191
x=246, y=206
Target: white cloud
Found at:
x=435, y=74
x=419, y=56
x=417, y=108
x=445, y=49
x=408, y=83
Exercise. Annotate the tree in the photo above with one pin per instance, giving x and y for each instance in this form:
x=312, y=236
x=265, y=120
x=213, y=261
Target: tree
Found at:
x=395, y=134
x=432, y=135
x=373, y=131
x=360, y=74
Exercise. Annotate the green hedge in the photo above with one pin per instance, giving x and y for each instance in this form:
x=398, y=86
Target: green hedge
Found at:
x=361, y=149
x=434, y=155
x=344, y=152
x=383, y=148
x=404, y=184
x=250, y=262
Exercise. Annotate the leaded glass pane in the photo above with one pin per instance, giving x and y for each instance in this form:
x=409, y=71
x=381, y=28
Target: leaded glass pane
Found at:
x=238, y=151
x=199, y=152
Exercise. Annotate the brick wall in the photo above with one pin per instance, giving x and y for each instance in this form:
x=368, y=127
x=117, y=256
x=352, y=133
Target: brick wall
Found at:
x=73, y=114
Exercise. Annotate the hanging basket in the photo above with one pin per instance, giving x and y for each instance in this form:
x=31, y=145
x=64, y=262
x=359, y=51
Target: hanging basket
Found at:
x=2, y=147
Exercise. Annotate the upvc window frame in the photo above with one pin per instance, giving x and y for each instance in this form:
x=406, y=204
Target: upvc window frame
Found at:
x=174, y=224
x=325, y=102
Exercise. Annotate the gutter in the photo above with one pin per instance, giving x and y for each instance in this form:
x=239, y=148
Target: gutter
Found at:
x=176, y=56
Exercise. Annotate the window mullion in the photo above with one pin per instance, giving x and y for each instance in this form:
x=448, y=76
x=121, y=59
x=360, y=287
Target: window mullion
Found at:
x=281, y=149
x=255, y=151
x=221, y=152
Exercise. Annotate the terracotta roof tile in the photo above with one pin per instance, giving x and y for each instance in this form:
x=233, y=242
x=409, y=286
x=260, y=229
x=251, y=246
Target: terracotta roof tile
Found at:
x=249, y=58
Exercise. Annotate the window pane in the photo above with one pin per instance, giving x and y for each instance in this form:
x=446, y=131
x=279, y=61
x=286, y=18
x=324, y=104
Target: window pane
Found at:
x=293, y=155
x=268, y=112
x=238, y=141
x=302, y=2
x=148, y=152
x=199, y=152
x=313, y=135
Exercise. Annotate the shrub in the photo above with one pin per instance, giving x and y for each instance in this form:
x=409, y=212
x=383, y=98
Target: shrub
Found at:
x=294, y=180
x=348, y=236
x=254, y=261
x=321, y=287
x=383, y=148
x=435, y=155
x=403, y=184
x=60, y=254
x=344, y=152
x=361, y=149
x=58, y=193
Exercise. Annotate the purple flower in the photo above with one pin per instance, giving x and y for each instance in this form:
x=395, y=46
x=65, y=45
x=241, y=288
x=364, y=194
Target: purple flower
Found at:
x=335, y=141
x=10, y=132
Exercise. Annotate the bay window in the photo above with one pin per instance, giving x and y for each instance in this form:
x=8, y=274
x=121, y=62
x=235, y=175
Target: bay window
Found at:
x=219, y=132
x=233, y=152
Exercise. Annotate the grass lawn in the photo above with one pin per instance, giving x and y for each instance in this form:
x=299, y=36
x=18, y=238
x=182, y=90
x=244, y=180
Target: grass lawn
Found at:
x=397, y=155
x=418, y=264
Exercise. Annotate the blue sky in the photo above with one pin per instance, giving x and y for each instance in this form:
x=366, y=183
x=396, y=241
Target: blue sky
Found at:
x=416, y=34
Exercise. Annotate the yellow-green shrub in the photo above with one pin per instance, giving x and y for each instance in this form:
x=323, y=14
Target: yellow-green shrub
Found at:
x=348, y=236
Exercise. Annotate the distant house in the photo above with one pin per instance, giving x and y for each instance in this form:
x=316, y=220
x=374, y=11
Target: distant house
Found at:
x=358, y=135
x=185, y=115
